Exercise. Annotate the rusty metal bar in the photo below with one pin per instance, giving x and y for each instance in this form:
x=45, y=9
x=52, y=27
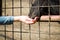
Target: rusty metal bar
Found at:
x=5, y=15
x=13, y=15
x=54, y=18
x=49, y=20
x=29, y=32
x=21, y=22
x=39, y=29
x=0, y=7
x=32, y=7
x=39, y=22
x=30, y=2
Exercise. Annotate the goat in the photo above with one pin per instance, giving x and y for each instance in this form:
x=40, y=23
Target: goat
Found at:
x=37, y=9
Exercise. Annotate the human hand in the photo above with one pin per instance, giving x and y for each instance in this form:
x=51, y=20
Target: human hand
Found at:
x=27, y=20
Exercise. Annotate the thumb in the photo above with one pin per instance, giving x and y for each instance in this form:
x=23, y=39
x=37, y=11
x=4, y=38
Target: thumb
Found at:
x=35, y=19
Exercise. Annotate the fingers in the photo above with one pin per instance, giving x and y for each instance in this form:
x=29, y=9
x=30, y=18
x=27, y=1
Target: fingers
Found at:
x=35, y=19
x=28, y=20
x=31, y=21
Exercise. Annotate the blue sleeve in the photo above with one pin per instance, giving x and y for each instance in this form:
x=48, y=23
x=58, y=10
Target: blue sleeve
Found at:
x=6, y=20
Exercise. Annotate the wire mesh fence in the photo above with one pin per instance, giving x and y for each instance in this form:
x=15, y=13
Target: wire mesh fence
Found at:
x=46, y=30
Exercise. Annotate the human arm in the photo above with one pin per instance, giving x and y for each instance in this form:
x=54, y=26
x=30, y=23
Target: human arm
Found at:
x=6, y=20
x=10, y=19
x=25, y=19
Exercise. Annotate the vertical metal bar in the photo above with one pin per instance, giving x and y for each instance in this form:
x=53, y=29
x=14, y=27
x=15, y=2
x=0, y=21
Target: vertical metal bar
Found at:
x=39, y=29
x=0, y=7
x=5, y=15
x=13, y=15
x=30, y=2
x=49, y=20
x=20, y=22
x=29, y=32
x=39, y=20
x=49, y=24
x=59, y=7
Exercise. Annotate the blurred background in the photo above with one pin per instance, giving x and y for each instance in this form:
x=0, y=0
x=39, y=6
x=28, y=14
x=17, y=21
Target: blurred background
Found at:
x=21, y=31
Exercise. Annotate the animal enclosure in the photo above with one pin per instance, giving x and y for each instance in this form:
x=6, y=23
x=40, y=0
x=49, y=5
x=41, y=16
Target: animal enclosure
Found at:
x=43, y=30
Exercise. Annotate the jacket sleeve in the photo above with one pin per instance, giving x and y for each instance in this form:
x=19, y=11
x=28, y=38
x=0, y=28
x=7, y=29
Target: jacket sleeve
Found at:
x=6, y=20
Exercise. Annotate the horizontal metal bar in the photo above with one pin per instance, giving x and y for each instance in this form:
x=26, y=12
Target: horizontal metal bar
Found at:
x=54, y=18
x=30, y=7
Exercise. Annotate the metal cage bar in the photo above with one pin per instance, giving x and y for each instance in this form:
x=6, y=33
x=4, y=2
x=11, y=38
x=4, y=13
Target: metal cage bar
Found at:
x=21, y=22
x=0, y=7
x=13, y=15
x=5, y=15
